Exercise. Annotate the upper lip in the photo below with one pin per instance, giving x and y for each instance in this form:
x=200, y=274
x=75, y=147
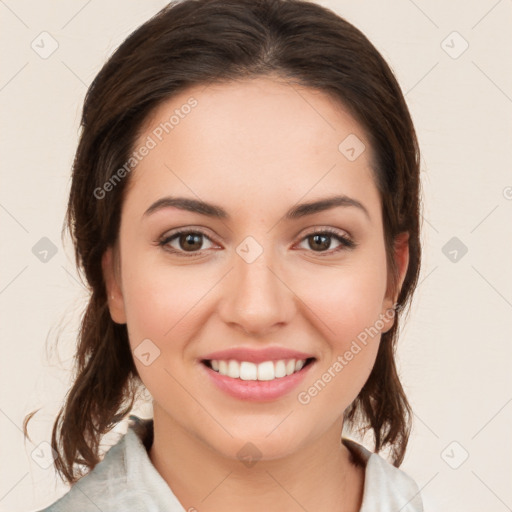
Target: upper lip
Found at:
x=256, y=355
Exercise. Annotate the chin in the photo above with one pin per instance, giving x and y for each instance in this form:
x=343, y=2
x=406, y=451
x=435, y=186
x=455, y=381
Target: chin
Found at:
x=258, y=443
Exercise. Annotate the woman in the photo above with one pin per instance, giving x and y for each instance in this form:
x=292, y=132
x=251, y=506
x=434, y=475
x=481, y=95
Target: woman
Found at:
x=245, y=208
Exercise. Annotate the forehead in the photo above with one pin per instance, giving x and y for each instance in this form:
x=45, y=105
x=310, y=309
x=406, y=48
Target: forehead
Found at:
x=261, y=138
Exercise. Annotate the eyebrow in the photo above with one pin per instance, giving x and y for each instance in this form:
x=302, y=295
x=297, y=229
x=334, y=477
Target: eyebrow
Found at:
x=212, y=210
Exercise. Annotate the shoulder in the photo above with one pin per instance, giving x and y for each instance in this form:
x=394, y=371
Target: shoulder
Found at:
x=124, y=480
x=386, y=487
x=93, y=490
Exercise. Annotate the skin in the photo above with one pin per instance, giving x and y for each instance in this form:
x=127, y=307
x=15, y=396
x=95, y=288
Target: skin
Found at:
x=256, y=148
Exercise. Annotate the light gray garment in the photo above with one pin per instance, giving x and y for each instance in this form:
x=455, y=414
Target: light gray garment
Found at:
x=126, y=480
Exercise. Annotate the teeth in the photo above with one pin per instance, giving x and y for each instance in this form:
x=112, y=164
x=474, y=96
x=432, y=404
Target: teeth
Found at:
x=248, y=371
x=280, y=369
x=223, y=367
x=233, y=369
x=268, y=370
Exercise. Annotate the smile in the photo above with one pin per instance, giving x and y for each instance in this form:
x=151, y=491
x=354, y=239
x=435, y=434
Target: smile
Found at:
x=257, y=382
x=264, y=371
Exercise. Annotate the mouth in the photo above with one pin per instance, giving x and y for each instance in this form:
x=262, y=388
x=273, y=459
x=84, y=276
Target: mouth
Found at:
x=271, y=370
x=264, y=381
x=256, y=374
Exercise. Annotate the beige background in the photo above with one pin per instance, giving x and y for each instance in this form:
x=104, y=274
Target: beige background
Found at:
x=455, y=352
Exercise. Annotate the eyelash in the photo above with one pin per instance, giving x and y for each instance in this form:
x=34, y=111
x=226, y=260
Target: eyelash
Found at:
x=345, y=242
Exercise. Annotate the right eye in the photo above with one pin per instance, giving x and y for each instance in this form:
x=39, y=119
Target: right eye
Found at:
x=185, y=241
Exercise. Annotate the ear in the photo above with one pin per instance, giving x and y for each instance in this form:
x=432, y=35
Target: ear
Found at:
x=111, y=276
x=401, y=255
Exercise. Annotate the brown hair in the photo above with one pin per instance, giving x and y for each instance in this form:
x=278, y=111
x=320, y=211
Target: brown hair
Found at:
x=210, y=41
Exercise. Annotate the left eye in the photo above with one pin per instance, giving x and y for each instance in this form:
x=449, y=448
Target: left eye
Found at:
x=322, y=241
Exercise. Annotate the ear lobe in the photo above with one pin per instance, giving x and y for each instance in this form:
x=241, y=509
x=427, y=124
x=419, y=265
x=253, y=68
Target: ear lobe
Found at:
x=401, y=258
x=401, y=255
x=113, y=289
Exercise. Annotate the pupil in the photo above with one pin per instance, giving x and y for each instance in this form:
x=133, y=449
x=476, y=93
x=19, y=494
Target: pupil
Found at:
x=191, y=241
x=325, y=244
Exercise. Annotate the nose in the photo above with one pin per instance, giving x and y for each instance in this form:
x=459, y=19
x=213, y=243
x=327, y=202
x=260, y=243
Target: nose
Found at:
x=256, y=298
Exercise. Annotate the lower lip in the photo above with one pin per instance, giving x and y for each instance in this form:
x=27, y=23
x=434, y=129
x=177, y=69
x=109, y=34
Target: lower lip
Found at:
x=257, y=390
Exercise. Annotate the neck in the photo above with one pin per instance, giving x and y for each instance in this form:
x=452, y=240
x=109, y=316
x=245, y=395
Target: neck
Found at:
x=316, y=478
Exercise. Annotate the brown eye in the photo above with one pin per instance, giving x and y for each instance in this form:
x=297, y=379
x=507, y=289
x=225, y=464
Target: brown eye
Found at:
x=321, y=241
x=191, y=242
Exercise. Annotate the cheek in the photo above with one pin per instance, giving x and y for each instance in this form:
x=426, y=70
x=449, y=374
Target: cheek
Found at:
x=159, y=299
x=346, y=311
x=345, y=301
x=161, y=306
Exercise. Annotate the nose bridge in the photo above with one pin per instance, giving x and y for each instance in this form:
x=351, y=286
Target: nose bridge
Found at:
x=256, y=300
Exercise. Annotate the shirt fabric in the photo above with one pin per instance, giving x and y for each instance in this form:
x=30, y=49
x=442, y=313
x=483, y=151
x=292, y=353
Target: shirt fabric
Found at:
x=127, y=480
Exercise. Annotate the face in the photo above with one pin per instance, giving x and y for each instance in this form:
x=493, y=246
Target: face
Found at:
x=256, y=280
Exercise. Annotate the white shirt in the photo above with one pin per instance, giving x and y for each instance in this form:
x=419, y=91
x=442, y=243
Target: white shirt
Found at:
x=126, y=480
